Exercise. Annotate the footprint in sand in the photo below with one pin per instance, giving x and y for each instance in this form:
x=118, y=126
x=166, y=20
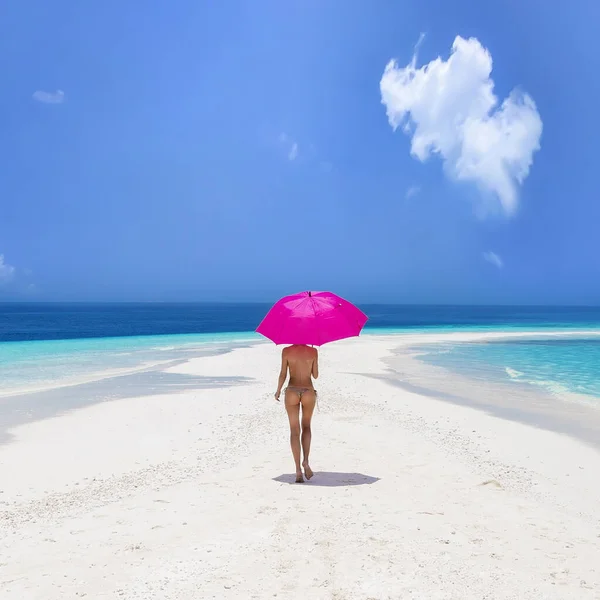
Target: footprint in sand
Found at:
x=492, y=483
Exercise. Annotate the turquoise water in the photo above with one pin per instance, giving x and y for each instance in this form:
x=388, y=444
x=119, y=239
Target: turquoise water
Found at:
x=559, y=365
x=45, y=363
x=564, y=364
x=42, y=345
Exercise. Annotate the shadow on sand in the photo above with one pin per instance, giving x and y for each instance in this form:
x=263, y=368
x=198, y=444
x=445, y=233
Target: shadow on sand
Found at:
x=331, y=479
x=518, y=403
x=35, y=406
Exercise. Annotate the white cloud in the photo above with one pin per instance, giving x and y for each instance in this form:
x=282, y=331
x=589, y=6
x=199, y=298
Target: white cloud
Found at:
x=6, y=271
x=57, y=97
x=412, y=191
x=290, y=145
x=493, y=259
x=448, y=107
x=293, y=153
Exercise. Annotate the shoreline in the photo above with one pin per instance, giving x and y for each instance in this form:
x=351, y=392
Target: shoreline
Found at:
x=407, y=346
x=144, y=365
x=575, y=415
x=189, y=489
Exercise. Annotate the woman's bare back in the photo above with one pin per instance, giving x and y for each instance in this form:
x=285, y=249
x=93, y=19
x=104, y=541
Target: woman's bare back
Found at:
x=303, y=365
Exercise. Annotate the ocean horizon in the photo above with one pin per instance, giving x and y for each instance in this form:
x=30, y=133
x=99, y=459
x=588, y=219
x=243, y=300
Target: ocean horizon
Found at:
x=23, y=321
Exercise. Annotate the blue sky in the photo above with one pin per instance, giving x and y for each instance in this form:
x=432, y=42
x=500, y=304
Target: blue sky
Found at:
x=241, y=150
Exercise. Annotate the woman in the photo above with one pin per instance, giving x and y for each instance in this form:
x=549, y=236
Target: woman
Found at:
x=303, y=365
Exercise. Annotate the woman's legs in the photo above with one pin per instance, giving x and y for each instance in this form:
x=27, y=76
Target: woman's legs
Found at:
x=308, y=406
x=292, y=406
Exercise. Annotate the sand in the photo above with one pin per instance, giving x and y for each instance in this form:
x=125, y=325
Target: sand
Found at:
x=187, y=495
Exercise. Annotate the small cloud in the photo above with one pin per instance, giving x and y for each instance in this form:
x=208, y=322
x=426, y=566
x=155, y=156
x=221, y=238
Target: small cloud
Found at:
x=412, y=191
x=7, y=271
x=448, y=108
x=290, y=145
x=304, y=152
x=493, y=259
x=57, y=97
x=418, y=45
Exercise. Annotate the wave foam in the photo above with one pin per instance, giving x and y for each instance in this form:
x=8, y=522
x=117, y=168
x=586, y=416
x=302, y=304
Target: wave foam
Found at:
x=513, y=373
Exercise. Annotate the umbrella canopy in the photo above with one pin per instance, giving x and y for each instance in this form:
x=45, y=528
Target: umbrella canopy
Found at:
x=313, y=318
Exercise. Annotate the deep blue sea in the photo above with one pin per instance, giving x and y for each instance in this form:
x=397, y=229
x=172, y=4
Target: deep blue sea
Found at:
x=41, y=344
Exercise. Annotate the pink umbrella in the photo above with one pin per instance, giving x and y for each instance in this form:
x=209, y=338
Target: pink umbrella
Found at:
x=314, y=318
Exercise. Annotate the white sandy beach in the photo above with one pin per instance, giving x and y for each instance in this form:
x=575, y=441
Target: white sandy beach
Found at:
x=187, y=496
